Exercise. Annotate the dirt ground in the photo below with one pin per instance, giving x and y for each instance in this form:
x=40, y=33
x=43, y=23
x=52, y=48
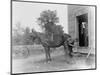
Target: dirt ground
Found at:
x=35, y=62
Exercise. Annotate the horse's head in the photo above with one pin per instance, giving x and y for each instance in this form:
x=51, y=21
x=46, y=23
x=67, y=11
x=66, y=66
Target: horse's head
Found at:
x=32, y=37
x=35, y=35
x=66, y=36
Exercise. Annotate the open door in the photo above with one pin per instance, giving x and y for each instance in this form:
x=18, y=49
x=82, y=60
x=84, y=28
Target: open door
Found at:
x=83, y=30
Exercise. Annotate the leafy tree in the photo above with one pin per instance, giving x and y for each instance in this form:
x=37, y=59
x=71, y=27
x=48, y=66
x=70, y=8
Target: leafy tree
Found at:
x=20, y=35
x=17, y=31
x=47, y=16
x=26, y=36
x=58, y=29
x=47, y=21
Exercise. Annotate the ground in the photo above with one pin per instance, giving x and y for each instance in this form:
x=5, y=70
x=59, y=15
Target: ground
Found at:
x=35, y=61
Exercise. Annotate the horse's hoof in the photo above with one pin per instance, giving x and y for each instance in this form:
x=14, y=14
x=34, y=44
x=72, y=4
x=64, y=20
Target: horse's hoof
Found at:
x=45, y=62
x=70, y=62
x=48, y=62
x=71, y=56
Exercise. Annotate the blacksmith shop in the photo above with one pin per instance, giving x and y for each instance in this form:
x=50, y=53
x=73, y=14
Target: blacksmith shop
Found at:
x=81, y=26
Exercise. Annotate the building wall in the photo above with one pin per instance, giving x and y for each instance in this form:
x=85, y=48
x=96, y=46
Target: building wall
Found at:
x=73, y=11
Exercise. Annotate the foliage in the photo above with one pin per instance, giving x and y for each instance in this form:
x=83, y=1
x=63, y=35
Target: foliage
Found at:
x=47, y=16
x=26, y=36
x=17, y=32
x=58, y=29
x=47, y=21
x=21, y=36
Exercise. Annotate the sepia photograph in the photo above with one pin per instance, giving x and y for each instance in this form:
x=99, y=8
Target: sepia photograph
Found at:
x=52, y=37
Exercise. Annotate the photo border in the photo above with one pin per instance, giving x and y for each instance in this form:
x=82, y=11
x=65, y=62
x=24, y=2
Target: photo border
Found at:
x=58, y=4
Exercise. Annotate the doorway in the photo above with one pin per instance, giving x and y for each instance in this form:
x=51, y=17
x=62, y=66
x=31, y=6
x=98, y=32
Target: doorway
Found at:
x=82, y=21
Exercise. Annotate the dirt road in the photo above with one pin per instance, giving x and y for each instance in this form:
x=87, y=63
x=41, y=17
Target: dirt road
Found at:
x=36, y=63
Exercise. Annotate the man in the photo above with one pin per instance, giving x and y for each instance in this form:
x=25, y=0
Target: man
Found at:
x=70, y=43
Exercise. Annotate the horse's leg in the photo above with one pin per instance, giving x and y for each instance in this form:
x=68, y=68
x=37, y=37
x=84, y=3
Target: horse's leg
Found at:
x=70, y=52
x=47, y=52
x=66, y=48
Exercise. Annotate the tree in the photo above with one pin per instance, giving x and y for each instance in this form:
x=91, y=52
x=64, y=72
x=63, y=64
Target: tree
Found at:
x=20, y=35
x=47, y=21
x=17, y=32
x=48, y=16
x=26, y=36
x=58, y=30
x=17, y=29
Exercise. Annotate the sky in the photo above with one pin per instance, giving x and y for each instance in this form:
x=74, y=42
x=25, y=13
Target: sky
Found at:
x=26, y=14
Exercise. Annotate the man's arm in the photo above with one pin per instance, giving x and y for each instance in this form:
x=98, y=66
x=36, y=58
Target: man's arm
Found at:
x=71, y=44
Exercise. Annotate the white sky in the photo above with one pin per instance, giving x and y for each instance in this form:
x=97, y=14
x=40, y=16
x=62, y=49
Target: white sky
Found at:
x=27, y=13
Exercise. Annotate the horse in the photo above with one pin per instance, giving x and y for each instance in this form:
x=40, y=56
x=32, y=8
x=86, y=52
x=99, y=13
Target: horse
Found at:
x=58, y=40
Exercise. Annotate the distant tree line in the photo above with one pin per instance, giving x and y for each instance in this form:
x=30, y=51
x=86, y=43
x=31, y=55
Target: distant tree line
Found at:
x=47, y=21
x=20, y=35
